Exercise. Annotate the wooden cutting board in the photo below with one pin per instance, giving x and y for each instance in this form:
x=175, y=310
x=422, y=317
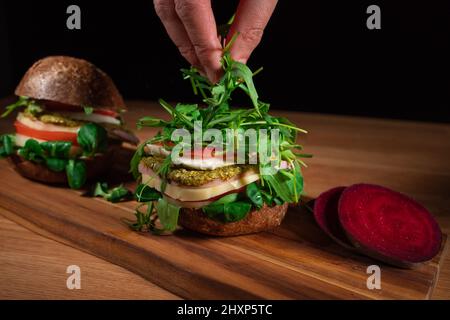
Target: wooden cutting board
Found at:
x=295, y=261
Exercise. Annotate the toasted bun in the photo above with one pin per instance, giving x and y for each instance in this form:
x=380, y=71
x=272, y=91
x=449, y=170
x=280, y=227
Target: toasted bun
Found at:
x=257, y=220
x=38, y=172
x=70, y=81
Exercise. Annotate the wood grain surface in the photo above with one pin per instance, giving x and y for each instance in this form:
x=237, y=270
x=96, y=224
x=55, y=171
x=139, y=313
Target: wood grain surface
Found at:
x=409, y=157
x=34, y=267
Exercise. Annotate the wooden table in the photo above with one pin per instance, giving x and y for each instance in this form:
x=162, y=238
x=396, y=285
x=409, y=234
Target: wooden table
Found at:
x=406, y=156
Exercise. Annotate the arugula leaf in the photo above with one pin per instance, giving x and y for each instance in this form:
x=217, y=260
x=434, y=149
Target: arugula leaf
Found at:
x=144, y=220
x=223, y=30
x=176, y=114
x=76, y=173
x=92, y=138
x=150, y=122
x=286, y=184
x=167, y=214
x=163, y=171
x=22, y=102
x=116, y=194
x=144, y=193
x=134, y=163
x=241, y=70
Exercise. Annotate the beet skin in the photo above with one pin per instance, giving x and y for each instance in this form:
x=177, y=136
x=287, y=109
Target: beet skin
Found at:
x=326, y=216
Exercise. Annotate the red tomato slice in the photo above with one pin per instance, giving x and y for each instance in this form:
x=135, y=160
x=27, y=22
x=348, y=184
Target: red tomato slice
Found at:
x=205, y=153
x=54, y=106
x=106, y=112
x=46, y=135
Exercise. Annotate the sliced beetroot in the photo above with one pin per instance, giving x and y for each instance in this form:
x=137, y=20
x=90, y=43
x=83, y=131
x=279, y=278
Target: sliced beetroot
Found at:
x=326, y=215
x=388, y=225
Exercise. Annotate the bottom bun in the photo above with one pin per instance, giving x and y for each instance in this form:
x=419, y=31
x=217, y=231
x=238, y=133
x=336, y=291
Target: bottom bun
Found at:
x=38, y=172
x=266, y=218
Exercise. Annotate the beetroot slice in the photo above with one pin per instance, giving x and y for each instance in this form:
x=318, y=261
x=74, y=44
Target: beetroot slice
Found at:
x=388, y=225
x=326, y=215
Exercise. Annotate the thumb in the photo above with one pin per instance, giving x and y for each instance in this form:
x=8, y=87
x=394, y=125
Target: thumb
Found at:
x=250, y=21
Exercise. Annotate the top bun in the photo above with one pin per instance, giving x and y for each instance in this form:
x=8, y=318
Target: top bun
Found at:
x=70, y=81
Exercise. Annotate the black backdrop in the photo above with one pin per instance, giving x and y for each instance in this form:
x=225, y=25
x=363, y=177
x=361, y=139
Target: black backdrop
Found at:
x=318, y=55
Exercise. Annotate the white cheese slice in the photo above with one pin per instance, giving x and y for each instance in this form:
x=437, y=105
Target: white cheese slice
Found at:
x=196, y=193
x=93, y=117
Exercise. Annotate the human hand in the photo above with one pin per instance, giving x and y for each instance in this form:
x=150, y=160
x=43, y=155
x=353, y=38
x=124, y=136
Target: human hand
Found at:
x=192, y=27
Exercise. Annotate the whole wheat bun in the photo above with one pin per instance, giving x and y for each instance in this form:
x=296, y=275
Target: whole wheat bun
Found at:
x=266, y=218
x=70, y=81
x=38, y=172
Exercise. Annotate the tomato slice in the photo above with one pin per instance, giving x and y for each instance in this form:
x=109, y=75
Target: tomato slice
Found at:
x=54, y=106
x=106, y=112
x=205, y=153
x=46, y=135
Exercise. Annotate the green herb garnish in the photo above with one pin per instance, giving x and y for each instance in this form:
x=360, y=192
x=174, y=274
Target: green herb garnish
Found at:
x=88, y=110
x=92, y=138
x=116, y=194
x=30, y=104
x=56, y=156
x=76, y=173
x=285, y=185
x=6, y=145
x=144, y=193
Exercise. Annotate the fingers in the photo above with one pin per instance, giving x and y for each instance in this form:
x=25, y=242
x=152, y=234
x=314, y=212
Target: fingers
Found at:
x=192, y=27
x=198, y=20
x=165, y=9
x=251, y=18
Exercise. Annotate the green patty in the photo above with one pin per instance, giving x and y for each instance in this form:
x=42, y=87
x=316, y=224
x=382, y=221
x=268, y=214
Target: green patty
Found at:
x=196, y=178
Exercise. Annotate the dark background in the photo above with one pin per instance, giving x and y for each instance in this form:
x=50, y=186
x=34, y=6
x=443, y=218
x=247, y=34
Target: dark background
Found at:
x=318, y=55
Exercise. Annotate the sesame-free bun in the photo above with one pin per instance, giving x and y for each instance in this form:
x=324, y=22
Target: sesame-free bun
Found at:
x=70, y=81
x=266, y=218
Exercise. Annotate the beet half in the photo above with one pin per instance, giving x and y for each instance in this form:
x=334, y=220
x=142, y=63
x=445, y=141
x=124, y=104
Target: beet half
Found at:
x=388, y=225
x=327, y=217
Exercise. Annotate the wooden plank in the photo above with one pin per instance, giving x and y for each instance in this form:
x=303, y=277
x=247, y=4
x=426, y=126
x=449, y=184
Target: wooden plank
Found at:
x=292, y=262
x=279, y=265
x=34, y=267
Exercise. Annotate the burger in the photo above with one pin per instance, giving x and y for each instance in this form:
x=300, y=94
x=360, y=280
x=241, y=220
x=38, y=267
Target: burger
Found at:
x=68, y=122
x=216, y=169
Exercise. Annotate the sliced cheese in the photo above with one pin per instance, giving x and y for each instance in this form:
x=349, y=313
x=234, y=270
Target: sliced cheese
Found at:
x=198, y=194
x=93, y=117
